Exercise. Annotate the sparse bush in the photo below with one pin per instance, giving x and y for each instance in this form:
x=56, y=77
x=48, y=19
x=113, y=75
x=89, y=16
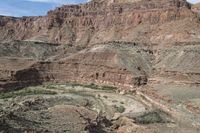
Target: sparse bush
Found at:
x=92, y=86
x=119, y=109
x=105, y=97
x=25, y=92
x=122, y=102
x=105, y=87
x=114, y=101
x=155, y=116
x=51, y=87
x=96, y=87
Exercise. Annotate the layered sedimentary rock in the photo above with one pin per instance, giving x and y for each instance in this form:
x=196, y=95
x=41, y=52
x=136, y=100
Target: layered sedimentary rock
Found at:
x=18, y=55
x=114, y=63
x=179, y=63
x=95, y=43
x=99, y=21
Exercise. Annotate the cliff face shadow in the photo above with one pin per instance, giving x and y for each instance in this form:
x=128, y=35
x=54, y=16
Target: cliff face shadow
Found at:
x=27, y=77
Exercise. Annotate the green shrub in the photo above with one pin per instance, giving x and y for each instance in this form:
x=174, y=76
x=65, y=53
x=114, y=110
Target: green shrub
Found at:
x=105, y=87
x=51, y=87
x=114, y=101
x=92, y=86
x=105, y=97
x=25, y=92
x=151, y=117
x=95, y=87
x=119, y=109
x=122, y=102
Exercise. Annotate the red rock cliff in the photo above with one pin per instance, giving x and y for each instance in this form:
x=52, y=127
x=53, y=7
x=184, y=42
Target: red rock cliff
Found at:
x=99, y=21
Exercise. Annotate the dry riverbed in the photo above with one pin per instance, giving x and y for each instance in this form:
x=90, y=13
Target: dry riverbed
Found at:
x=79, y=108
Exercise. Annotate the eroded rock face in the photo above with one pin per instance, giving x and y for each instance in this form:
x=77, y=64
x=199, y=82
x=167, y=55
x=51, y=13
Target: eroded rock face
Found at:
x=108, y=64
x=179, y=63
x=89, y=57
x=100, y=21
x=126, y=65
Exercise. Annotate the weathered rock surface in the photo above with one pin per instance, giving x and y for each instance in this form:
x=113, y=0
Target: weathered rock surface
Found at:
x=100, y=21
x=179, y=63
x=95, y=44
x=124, y=65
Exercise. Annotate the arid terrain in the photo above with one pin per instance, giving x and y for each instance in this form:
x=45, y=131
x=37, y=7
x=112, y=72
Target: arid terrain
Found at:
x=107, y=66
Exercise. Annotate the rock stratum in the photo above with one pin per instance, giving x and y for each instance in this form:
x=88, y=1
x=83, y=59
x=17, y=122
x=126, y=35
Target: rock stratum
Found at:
x=152, y=21
x=88, y=42
x=150, y=48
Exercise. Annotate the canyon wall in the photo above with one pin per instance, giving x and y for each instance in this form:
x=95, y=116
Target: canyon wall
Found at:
x=98, y=21
x=105, y=64
x=120, y=43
